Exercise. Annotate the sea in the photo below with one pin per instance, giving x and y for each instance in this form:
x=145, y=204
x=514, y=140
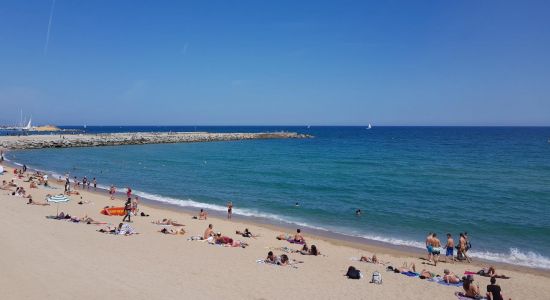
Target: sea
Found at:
x=492, y=182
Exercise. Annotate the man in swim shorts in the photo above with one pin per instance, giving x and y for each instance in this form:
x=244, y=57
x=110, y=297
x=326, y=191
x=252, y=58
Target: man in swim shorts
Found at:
x=450, y=248
x=429, y=245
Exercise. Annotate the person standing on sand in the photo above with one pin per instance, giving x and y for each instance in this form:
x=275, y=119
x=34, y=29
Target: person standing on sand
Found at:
x=127, y=209
x=135, y=206
x=429, y=246
x=112, y=192
x=229, y=209
x=128, y=192
x=95, y=183
x=462, y=247
x=436, y=248
x=24, y=168
x=67, y=183
x=450, y=246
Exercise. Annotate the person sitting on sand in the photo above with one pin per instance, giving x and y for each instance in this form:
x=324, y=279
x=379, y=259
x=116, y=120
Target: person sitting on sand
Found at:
x=172, y=231
x=203, y=215
x=491, y=272
x=31, y=202
x=33, y=185
x=494, y=291
x=208, y=232
x=470, y=289
x=311, y=251
x=222, y=240
x=5, y=185
x=167, y=222
x=450, y=277
x=298, y=238
x=246, y=233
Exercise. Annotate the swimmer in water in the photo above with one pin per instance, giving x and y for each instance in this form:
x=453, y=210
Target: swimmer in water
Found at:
x=358, y=212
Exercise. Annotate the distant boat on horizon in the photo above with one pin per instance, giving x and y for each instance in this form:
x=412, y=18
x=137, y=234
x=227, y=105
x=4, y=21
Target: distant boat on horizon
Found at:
x=369, y=127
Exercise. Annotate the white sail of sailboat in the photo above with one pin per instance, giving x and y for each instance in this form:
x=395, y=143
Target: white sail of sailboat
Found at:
x=369, y=127
x=29, y=125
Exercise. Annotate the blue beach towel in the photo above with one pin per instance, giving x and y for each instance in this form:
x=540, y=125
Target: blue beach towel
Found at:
x=410, y=274
x=442, y=282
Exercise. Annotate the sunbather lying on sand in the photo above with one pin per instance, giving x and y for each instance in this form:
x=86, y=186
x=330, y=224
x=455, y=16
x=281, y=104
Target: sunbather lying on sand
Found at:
x=60, y=216
x=281, y=261
x=404, y=268
x=450, y=277
x=491, y=272
x=86, y=220
x=311, y=251
x=167, y=222
x=246, y=233
x=110, y=229
x=121, y=229
x=425, y=274
x=31, y=202
x=172, y=231
x=284, y=237
x=373, y=260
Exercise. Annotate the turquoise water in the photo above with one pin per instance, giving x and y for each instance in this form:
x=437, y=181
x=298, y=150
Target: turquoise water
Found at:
x=493, y=183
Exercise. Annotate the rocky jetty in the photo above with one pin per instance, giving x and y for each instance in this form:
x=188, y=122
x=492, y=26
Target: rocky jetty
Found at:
x=133, y=138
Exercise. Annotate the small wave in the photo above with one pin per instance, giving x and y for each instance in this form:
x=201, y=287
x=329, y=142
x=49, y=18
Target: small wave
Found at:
x=516, y=257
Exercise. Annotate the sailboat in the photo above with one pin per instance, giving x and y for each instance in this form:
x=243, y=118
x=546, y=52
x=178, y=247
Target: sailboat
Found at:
x=369, y=127
x=29, y=125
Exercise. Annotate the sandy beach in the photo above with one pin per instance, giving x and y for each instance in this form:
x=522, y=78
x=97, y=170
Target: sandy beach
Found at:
x=58, y=259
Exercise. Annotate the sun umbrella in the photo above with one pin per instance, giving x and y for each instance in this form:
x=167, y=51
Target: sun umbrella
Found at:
x=57, y=199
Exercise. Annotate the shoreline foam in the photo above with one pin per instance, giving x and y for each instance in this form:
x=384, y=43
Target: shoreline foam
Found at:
x=514, y=258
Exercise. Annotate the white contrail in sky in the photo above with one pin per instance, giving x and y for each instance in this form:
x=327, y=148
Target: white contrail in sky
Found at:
x=49, y=28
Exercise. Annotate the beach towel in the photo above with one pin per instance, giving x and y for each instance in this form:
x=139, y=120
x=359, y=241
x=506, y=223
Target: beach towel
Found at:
x=461, y=296
x=296, y=242
x=283, y=249
x=470, y=273
x=442, y=282
x=410, y=274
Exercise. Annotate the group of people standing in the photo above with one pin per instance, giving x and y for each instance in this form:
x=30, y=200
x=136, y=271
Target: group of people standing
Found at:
x=434, y=247
x=86, y=183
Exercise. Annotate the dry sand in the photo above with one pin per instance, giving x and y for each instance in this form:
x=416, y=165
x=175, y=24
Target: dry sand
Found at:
x=51, y=259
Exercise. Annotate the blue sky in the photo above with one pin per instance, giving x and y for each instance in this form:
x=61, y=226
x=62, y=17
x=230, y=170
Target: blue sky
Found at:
x=276, y=62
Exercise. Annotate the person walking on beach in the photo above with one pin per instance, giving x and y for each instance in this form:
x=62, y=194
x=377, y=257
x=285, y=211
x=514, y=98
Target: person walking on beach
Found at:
x=24, y=168
x=429, y=246
x=462, y=247
x=112, y=192
x=127, y=209
x=450, y=246
x=229, y=209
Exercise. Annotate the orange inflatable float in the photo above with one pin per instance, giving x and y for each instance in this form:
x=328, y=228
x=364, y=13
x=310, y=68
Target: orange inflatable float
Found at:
x=113, y=211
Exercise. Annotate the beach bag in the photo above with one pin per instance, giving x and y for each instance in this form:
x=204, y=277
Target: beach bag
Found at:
x=353, y=273
x=376, y=277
